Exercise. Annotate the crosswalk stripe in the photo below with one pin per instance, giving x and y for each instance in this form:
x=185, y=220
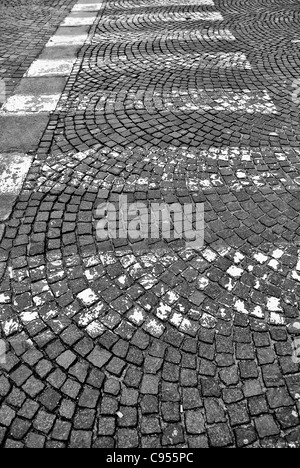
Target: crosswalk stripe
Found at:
x=66, y=40
x=206, y=35
x=79, y=19
x=59, y=67
x=24, y=115
x=24, y=104
x=87, y=7
x=204, y=61
x=13, y=170
x=165, y=17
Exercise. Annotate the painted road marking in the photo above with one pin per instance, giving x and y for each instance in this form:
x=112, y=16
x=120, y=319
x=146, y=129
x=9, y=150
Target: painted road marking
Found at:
x=34, y=95
x=13, y=170
x=196, y=60
x=87, y=7
x=25, y=115
x=162, y=3
x=67, y=40
x=69, y=36
x=207, y=35
x=194, y=100
x=24, y=104
x=79, y=19
x=167, y=16
x=61, y=67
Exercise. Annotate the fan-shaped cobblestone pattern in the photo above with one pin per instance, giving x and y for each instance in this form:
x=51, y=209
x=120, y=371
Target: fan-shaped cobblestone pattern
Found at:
x=149, y=344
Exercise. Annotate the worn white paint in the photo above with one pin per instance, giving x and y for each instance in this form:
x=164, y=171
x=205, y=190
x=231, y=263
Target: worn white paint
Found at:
x=163, y=311
x=149, y=260
x=277, y=319
x=209, y=255
x=4, y=298
x=257, y=284
x=277, y=253
x=59, y=67
x=260, y=258
x=20, y=104
x=128, y=260
x=79, y=20
x=235, y=271
x=13, y=170
x=187, y=326
x=208, y=321
x=122, y=280
x=296, y=276
x=161, y=3
x=87, y=7
x=108, y=258
x=238, y=257
x=273, y=304
x=258, y=312
x=148, y=281
x=166, y=17
x=88, y=296
x=11, y=326
x=202, y=282
x=273, y=264
x=62, y=40
x=171, y=297
x=137, y=315
x=240, y=307
x=95, y=329
x=28, y=317
x=154, y=327
x=176, y=319
x=230, y=285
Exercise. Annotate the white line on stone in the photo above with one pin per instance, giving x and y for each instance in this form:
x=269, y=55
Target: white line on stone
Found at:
x=13, y=170
x=200, y=100
x=60, y=40
x=207, y=35
x=168, y=16
x=87, y=7
x=79, y=20
x=21, y=104
x=162, y=3
x=61, y=67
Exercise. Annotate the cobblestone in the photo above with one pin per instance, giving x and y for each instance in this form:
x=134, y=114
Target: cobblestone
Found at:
x=25, y=29
x=128, y=343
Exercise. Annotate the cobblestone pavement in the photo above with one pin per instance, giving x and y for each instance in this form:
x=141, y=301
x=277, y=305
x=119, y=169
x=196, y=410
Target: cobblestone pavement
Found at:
x=25, y=27
x=146, y=344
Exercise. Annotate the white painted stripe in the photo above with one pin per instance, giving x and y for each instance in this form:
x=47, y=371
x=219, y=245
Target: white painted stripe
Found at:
x=159, y=3
x=66, y=40
x=21, y=104
x=213, y=100
x=13, y=170
x=182, y=35
x=196, y=100
x=61, y=67
x=166, y=16
x=79, y=21
x=87, y=7
x=84, y=2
